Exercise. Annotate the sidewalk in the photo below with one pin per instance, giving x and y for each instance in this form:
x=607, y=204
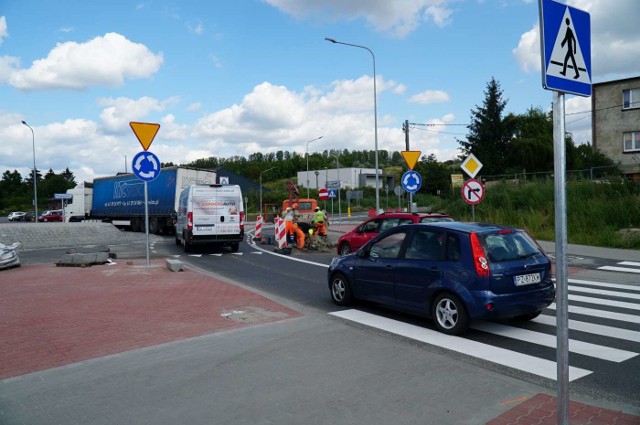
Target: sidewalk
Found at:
x=112, y=321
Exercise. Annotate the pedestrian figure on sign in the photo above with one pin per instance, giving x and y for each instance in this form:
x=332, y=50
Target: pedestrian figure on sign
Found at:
x=570, y=41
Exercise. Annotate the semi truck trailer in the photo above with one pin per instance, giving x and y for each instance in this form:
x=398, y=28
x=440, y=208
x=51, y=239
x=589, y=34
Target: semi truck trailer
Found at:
x=120, y=199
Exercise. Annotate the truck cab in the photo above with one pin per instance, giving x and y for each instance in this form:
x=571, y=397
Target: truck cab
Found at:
x=304, y=207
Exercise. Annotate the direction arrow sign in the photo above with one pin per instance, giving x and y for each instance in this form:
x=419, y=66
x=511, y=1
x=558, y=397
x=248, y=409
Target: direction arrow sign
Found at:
x=565, y=43
x=411, y=157
x=472, y=191
x=145, y=132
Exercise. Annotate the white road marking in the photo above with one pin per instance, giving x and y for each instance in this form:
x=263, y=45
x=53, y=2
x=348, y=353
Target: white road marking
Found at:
x=619, y=269
x=605, y=292
x=513, y=359
x=546, y=340
x=606, y=284
x=600, y=313
x=602, y=301
x=629, y=263
x=593, y=328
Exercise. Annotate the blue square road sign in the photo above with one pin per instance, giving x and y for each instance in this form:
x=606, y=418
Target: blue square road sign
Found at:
x=565, y=47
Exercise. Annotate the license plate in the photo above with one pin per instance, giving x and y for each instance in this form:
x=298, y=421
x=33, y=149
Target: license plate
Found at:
x=205, y=228
x=526, y=279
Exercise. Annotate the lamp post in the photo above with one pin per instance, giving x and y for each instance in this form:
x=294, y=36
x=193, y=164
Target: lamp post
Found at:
x=261, y=187
x=35, y=187
x=375, y=114
x=339, y=187
x=306, y=150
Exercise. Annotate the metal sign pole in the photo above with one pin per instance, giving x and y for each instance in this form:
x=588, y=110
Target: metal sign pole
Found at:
x=146, y=220
x=562, y=314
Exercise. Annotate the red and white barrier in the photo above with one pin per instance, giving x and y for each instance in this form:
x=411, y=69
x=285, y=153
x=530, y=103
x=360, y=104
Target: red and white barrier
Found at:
x=281, y=233
x=258, y=233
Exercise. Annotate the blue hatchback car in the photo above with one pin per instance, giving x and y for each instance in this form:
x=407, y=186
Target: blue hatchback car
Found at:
x=454, y=272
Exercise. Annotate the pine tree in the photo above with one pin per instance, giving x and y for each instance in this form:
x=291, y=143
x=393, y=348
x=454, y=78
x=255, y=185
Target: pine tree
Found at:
x=489, y=135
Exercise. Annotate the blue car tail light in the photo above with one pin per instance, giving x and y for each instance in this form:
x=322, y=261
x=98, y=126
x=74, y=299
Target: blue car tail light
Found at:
x=479, y=257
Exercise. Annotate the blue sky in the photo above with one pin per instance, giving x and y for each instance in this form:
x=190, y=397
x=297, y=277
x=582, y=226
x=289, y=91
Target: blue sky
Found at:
x=226, y=78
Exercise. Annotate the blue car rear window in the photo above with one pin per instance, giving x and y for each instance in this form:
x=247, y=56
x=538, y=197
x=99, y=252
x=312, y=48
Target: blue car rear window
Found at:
x=508, y=246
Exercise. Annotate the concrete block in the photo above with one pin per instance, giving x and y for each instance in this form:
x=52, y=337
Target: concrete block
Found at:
x=174, y=265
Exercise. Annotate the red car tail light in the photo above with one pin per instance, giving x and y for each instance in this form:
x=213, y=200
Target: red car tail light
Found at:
x=479, y=258
x=190, y=220
x=241, y=220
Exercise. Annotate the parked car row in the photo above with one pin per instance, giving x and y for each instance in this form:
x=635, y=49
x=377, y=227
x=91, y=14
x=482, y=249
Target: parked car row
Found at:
x=452, y=272
x=46, y=216
x=369, y=229
x=51, y=215
x=20, y=216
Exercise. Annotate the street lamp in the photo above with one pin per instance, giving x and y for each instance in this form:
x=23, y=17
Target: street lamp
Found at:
x=307, y=154
x=375, y=114
x=261, y=187
x=35, y=188
x=339, y=187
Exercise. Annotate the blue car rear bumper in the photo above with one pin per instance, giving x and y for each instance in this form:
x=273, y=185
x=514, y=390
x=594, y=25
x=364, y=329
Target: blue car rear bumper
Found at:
x=508, y=305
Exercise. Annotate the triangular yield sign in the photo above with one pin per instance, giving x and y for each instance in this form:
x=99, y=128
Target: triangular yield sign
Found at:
x=145, y=132
x=411, y=157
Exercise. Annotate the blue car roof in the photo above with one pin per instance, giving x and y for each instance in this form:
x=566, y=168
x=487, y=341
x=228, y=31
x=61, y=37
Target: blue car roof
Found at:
x=469, y=227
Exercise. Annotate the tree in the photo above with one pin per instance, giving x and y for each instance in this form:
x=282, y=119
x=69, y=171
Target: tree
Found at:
x=531, y=146
x=435, y=175
x=489, y=134
x=68, y=176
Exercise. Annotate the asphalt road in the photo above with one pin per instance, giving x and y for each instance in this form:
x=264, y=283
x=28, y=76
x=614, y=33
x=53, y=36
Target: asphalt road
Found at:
x=301, y=278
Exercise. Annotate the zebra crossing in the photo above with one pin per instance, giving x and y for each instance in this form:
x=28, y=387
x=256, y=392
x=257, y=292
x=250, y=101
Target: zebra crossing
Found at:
x=601, y=313
x=623, y=266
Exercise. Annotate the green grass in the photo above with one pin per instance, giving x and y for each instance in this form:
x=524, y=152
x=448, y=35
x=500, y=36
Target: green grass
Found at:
x=598, y=214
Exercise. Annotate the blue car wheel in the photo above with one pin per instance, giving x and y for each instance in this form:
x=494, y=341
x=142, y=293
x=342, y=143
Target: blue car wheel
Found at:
x=449, y=314
x=340, y=290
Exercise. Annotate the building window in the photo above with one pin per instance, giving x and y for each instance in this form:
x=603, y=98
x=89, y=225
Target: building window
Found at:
x=631, y=99
x=631, y=141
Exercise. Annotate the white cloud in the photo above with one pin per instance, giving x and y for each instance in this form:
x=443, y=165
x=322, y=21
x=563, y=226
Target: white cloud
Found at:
x=398, y=18
x=3, y=28
x=194, y=107
x=107, y=60
x=578, y=118
x=119, y=112
x=268, y=119
x=430, y=96
x=528, y=51
x=615, y=39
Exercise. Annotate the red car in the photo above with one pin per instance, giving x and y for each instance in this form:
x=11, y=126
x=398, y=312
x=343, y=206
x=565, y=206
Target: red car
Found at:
x=53, y=215
x=364, y=232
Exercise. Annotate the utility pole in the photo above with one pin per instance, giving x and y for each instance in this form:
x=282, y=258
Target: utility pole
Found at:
x=405, y=128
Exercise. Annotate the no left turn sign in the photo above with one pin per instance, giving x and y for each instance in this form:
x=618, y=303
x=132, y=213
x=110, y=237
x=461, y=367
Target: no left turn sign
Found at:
x=472, y=191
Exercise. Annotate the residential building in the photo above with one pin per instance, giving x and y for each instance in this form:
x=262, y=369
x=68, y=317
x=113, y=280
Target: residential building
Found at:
x=615, y=107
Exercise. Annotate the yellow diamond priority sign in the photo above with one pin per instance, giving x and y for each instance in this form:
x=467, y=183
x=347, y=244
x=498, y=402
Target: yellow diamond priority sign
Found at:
x=145, y=132
x=471, y=166
x=411, y=157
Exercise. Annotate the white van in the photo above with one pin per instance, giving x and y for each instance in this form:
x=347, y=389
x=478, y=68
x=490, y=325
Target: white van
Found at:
x=210, y=215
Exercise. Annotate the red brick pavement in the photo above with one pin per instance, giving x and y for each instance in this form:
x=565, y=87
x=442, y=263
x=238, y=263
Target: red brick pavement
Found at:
x=52, y=316
x=541, y=409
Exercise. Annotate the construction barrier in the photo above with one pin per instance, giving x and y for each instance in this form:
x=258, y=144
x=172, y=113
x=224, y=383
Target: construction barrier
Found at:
x=258, y=233
x=281, y=233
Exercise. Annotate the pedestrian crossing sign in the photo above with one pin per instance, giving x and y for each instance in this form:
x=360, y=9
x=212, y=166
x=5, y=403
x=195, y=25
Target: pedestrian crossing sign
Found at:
x=565, y=47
